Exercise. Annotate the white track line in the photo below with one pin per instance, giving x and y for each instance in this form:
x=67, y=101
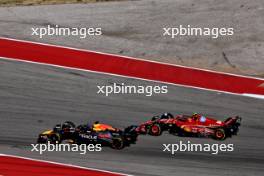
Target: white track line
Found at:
x=254, y=95
x=62, y=164
x=111, y=74
x=107, y=54
x=180, y=85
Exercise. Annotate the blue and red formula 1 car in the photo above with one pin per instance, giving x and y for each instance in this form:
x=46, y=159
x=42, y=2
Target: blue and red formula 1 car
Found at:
x=97, y=133
x=106, y=135
x=195, y=125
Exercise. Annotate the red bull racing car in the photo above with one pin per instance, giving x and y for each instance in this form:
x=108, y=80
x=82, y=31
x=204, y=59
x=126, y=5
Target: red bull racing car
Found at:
x=106, y=135
x=61, y=132
x=98, y=133
x=195, y=125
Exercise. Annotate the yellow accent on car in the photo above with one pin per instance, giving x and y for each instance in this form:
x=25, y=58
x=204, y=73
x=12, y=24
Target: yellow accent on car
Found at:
x=47, y=132
x=102, y=127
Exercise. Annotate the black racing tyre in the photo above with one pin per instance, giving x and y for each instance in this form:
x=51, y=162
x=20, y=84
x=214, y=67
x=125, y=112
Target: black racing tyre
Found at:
x=220, y=134
x=175, y=130
x=155, y=130
x=117, y=143
x=42, y=139
x=54, y=138
x=69, y=123
x=235, y=129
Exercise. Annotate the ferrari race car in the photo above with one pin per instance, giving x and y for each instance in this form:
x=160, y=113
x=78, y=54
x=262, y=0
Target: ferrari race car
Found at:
x=195, y=126
x=85, y=134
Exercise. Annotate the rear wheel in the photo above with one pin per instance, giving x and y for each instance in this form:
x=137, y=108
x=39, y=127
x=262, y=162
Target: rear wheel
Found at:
x=155, y=130
x=220, y=134
x=235, y=129
x=118, y=144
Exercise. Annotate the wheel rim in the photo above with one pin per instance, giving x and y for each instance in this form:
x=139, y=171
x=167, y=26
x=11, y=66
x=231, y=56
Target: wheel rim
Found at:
x=220, y=134
x=155, y=129
x=117, y=144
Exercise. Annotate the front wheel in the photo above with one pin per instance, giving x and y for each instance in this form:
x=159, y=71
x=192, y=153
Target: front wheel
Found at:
x=155, y=130
x=55, y=138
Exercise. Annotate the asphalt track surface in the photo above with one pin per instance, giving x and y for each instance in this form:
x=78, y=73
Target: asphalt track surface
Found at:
x=35, y=97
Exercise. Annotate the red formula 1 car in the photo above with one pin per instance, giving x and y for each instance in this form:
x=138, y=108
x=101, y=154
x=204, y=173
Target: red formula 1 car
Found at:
x=195, y=125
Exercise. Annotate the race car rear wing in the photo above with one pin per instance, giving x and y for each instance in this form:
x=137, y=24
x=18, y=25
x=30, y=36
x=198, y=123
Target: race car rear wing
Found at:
x=233, y=121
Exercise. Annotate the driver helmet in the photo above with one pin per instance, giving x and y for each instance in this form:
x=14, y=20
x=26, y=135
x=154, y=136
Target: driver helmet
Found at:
x=195, y=115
